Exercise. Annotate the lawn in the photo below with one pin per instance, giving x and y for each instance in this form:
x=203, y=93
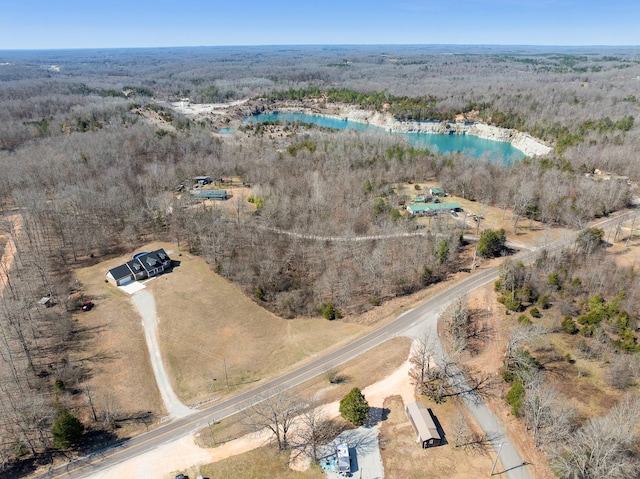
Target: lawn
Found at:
x=257, y=464
x=205, y=321
x=110, y=344
x=366, y=369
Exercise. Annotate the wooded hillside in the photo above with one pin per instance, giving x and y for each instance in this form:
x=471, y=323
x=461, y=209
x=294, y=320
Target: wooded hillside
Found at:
x=91, y=153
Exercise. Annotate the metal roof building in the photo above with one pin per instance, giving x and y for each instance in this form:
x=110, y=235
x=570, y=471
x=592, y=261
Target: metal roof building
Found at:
x=423, y=424
x=433, y=208
x=210, y=194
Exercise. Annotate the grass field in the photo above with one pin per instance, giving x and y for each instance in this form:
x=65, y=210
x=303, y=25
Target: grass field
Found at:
x=111, y=345
x=257, y=464
x=205, y=321
x=366, y=369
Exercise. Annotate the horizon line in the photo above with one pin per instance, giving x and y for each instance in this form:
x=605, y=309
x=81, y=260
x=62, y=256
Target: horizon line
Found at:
x=271, y=45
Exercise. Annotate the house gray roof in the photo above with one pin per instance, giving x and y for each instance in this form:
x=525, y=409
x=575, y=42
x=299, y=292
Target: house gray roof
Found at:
x=120, y=272
x=147, y=262
x=162, y=255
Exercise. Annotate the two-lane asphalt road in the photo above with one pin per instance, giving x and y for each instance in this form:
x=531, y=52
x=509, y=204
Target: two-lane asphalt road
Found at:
x=409, y=320
x=187, y=425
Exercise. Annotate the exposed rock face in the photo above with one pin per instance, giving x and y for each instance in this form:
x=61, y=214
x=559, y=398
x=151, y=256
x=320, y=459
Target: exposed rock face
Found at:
x=524, y=142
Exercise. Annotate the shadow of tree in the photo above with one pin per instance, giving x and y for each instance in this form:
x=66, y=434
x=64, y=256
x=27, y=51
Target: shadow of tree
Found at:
x=377, y=415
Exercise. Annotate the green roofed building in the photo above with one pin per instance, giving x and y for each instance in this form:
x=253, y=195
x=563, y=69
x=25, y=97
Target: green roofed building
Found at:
x=210, y=194
x=433, y=208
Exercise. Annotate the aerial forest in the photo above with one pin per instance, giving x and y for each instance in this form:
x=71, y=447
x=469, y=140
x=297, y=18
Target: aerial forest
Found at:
x=93, y=154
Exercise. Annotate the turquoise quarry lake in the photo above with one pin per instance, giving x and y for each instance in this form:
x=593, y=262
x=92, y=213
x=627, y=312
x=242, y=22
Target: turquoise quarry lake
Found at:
x=468, y=144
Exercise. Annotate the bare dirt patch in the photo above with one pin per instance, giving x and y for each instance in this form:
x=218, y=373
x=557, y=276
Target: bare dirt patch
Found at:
x=8, y=248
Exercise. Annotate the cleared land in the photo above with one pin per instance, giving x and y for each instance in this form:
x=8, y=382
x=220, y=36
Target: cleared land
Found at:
x=111, y=345
x=205, y=321
x=367, y=369
x=262, y=462
x=404, y=458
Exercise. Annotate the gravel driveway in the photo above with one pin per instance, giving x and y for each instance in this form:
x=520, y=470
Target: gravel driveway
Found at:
x=146, y=306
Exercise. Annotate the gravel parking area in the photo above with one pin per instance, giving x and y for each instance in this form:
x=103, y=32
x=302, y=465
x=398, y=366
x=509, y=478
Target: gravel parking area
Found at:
x=366, y=462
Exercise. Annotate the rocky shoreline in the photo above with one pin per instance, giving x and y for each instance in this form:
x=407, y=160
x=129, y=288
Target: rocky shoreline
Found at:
x=524, y=142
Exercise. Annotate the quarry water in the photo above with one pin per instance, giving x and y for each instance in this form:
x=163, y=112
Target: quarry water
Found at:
x=469, y=144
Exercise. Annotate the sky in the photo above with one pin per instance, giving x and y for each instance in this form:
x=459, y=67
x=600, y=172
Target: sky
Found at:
x=53, y=24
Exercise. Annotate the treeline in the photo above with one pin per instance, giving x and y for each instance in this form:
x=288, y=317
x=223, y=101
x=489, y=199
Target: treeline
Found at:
x=92, y=178
x=67, y=201
x=430, y=107
x=403, y=108
x=560, y=196
x=593, y=312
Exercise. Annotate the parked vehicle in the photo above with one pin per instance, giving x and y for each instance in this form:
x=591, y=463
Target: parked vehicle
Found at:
x=87, y=305
x=344, y=460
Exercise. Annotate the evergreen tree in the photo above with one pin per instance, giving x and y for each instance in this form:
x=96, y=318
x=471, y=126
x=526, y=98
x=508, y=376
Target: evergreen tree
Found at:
x=67, y=430
x=354, y=407
x=491, y=243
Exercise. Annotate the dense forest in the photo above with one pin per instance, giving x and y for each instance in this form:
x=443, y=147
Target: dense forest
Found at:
x=91, y=153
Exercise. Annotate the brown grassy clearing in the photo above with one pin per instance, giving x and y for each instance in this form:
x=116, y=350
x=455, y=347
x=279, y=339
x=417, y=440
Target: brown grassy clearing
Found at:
x=205, y=320
x=111, y=345
x=529, y=232
x=202, y=316
x=366, y=369
x=403, y=457
x=259, y=463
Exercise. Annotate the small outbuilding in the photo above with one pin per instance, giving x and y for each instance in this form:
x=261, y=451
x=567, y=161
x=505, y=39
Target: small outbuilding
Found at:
x=47, y=302
x=202, y=180
x=424, y=425
x=437, y=192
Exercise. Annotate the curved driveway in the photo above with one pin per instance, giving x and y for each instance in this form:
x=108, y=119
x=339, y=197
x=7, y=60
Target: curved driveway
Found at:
x=146, y=306
x=423, y=316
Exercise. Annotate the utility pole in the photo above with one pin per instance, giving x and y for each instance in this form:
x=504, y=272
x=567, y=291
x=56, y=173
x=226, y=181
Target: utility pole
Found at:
x=496, y=461
x=226, y=377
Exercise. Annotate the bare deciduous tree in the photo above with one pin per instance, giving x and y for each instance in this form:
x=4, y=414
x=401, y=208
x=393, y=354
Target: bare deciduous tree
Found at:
x=468, y=439
x=313, y=428
x=276, y=413
x=603, y=447
x=457, y=320
x=546, y=414
x=421, y=360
